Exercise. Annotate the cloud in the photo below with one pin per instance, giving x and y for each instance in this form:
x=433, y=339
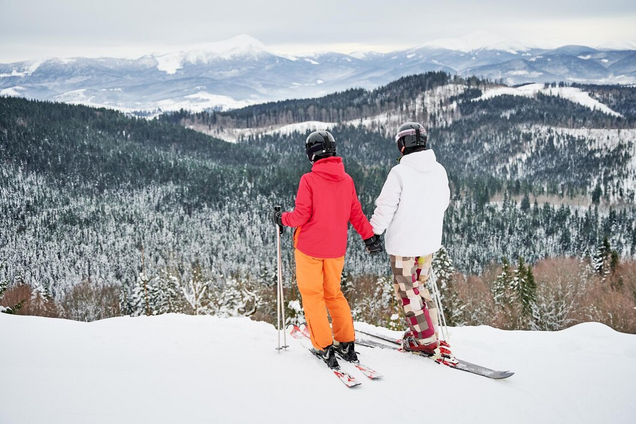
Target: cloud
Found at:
x=79, y=27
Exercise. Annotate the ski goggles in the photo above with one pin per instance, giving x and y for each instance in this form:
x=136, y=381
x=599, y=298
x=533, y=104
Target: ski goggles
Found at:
x=412, y=136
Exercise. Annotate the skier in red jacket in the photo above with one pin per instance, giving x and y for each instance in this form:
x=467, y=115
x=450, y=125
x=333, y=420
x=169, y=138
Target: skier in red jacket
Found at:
x=325, y=204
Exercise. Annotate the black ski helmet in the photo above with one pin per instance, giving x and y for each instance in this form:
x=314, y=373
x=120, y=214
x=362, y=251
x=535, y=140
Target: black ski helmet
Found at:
x=319, y=145
x=410, y=135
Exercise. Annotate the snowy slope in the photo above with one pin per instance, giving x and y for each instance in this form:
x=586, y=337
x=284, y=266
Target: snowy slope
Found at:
x=573, y=94
x=185, y=369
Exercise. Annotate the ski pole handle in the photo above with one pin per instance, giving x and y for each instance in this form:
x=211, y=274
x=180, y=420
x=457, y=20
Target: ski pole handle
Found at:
x=278, y=208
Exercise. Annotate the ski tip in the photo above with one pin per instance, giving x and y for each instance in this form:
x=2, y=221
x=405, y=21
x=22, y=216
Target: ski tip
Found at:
x=504, y=374
x=348, y=380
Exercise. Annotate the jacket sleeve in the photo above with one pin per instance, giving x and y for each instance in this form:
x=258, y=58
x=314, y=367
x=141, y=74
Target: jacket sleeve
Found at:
x=387, y=203
x=302, y=212
x=446, y=189
x=357, y=218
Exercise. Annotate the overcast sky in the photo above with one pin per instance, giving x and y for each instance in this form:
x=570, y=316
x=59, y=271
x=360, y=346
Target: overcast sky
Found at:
x=130, y=28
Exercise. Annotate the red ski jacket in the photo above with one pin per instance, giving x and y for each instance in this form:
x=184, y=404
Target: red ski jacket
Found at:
x=325, y=204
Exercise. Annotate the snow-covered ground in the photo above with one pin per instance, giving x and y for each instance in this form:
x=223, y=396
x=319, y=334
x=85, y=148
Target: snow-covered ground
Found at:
x=232, y=135
x=573, y=94
x=185, y=369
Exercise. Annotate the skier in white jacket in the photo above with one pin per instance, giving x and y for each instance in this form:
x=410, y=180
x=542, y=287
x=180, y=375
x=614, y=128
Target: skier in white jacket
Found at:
x=411, y=209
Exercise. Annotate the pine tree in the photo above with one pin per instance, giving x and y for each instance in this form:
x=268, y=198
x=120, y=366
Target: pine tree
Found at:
x=502, y=284
x=125, y=305
x=3, y=287
x=525, y=203
x=196, y=292
x=506, y=294
x=602, y=258
x=140, y=301
x=166, y=294
x=527, y=288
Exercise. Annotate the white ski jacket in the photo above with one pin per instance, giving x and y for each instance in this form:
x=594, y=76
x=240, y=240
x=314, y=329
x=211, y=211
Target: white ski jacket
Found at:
x=411, y=206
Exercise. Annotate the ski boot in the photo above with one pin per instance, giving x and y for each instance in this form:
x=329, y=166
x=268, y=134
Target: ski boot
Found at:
x=346, y=350
x=438, y=350
x=328, y=355
x=410, y=344
x=444, y=354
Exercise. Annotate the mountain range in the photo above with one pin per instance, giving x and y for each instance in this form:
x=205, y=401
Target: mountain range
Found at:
x=242, y=71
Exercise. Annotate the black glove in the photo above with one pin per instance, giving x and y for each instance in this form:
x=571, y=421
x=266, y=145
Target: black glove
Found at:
x=277, y=218
x=374, y=244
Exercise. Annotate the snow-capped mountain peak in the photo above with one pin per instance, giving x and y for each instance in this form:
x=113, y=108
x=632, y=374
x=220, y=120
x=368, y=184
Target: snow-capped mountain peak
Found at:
x=239, y=46
x=617, y=45
x=242, y=70
x=479, y=40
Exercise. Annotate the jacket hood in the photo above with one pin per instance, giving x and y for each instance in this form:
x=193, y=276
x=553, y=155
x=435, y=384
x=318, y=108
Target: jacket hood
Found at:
x=331, y=168
x=422, y=161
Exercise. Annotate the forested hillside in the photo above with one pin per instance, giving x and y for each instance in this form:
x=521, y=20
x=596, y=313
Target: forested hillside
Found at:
x=102, y=214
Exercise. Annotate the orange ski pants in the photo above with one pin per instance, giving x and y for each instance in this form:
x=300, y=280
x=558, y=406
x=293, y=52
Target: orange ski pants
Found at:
x=319, y=286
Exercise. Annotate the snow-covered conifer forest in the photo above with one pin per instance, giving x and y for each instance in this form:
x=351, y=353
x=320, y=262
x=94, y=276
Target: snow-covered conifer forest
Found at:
x=103, y=214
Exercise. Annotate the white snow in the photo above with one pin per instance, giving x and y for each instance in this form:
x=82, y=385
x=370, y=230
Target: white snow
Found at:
x=189, y=369
x=27, y=69
x=12, y=91
x=242, y=45
x=209, y=100
x=618, y=45
x=302, y=127
x=477, y=40
x=573, y=94
x=519, y=72
x=527, y=90
x=32, y=66
x=13, y=73
x=74, y=97
x=169, y=63
x=215, y=100
x=64, y=60
x=577, y=95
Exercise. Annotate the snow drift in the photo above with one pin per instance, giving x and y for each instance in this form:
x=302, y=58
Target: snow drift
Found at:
x=187, y=369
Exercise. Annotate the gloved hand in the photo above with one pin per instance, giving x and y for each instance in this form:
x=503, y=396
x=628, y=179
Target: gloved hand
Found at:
x=277, y=218
x=374, y=244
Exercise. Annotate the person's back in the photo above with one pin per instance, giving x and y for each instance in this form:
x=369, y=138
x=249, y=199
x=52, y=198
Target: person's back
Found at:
x=411, y=209
x=326, y=203
x=414, y=223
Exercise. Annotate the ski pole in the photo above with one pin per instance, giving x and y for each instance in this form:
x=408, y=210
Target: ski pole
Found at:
x=280, y=307
x=438, y=301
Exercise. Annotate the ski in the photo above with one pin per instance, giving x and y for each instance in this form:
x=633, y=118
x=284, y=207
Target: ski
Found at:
x=347, y=379
x=364, y=369
x=455, y=363
x=368, y=372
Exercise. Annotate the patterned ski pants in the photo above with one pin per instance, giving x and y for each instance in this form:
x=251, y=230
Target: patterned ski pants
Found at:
x=410, y=275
